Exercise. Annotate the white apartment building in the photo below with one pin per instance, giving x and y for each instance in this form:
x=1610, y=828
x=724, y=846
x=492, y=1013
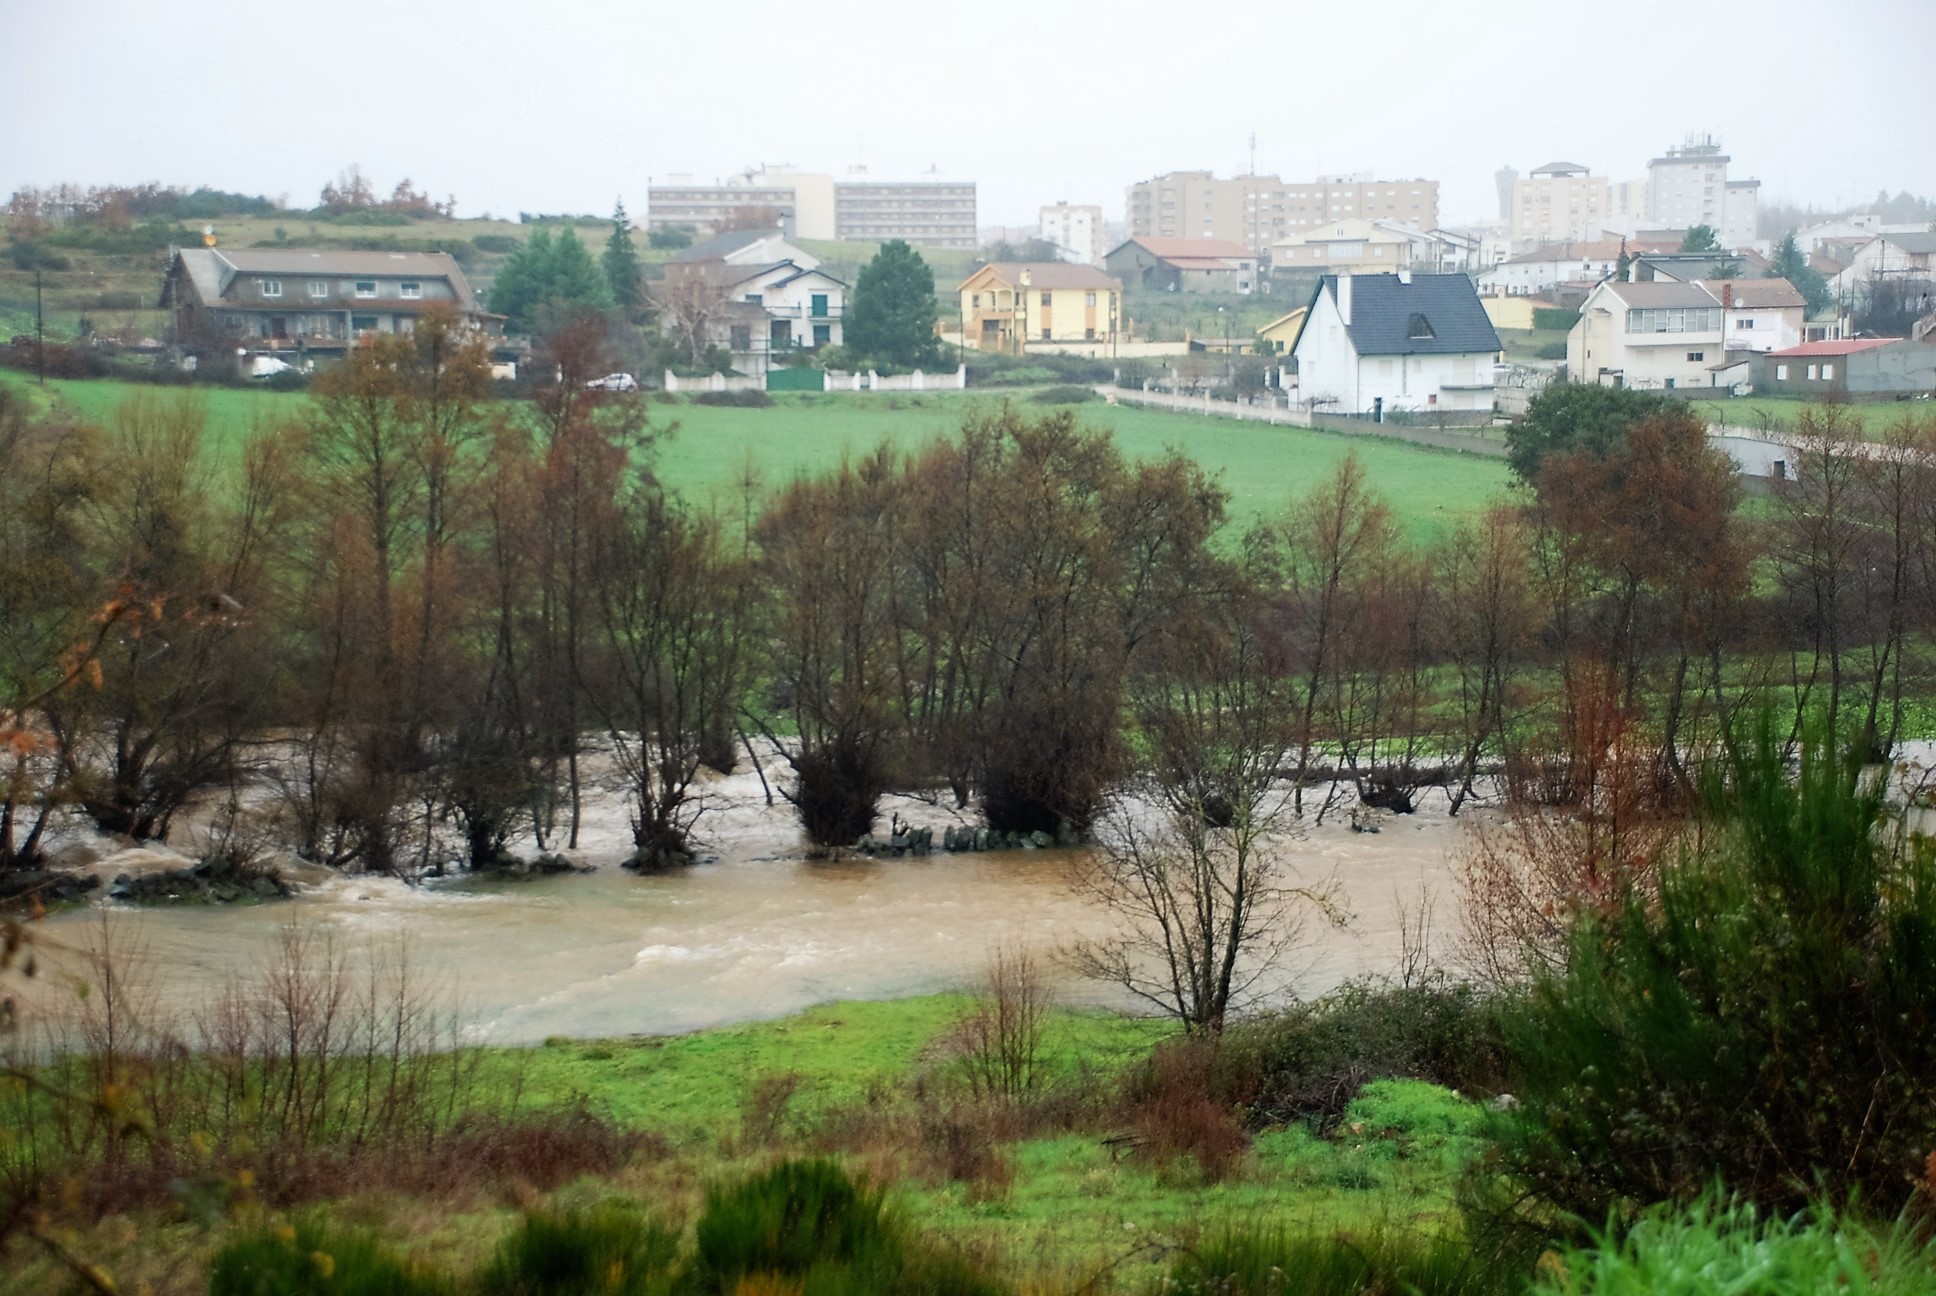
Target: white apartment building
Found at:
x=1689, y=186
x=1076, y=230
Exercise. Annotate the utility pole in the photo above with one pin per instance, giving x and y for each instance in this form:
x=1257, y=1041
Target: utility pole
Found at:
x=40, y=335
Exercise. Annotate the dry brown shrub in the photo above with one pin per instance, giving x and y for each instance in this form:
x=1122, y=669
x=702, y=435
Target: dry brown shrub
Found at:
x=1581, y=822
x=1176, y=1112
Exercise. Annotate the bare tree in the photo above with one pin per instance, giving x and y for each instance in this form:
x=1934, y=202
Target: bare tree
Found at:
x=1189, y=858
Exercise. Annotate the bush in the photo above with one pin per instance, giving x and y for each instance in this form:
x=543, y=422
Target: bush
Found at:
x=1309, y=1062
x=610, y=1249
x=793, y=1217
x=1271, y=1262
x=1550, y=351
x=1177, y=1112
x=1768, y=1018
x=1065, y=395
x=750, y=399
x=1710, y=1249
x=28, y=255
x=308, y=1259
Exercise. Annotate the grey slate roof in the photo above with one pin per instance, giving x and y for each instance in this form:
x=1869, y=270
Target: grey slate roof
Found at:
x=1921, y=242
x=1384, y=311
x=212, y=270
x=719, y=245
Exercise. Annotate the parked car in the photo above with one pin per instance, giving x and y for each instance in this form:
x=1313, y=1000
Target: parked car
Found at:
x=614, y=382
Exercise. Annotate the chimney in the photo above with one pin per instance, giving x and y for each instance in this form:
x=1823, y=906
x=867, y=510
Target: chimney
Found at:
x=1344, y=297
x=1727, y=294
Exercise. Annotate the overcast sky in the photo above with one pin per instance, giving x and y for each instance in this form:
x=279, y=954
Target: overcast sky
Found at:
x=552, y=105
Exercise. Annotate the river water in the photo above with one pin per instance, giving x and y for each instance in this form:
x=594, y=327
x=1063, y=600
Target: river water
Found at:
x=758, y=931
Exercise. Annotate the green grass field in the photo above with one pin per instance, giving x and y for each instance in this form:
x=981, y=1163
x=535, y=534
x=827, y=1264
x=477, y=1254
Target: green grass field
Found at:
x=709, y=448
x=1779, y=412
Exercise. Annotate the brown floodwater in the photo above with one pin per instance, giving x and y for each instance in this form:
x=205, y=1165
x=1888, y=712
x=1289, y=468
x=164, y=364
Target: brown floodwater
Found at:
x=757, y=931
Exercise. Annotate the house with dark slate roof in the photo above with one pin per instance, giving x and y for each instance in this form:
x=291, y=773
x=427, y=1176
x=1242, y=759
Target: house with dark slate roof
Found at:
x=1372, y=344
x=304, y=300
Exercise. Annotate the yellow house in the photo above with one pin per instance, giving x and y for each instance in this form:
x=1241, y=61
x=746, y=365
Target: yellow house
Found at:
x=1276, y=337
x=1007, y=304
x=1512, y=312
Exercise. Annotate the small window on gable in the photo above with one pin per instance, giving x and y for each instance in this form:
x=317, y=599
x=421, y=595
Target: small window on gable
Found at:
x=410, y=290
x=1419, y=328
x=366, y=287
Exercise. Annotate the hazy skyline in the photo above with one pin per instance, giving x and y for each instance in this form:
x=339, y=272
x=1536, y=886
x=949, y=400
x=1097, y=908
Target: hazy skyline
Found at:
x=568, y=105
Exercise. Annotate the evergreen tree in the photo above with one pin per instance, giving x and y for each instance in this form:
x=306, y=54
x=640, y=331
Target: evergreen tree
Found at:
x=1701, y=238
x=576, y=279
x=891, y=316
x=621, y=261
x=547, y=277
x=1789, y=263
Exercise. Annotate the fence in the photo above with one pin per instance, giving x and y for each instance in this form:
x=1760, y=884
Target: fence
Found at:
x=1439, y=435
x=808, y=378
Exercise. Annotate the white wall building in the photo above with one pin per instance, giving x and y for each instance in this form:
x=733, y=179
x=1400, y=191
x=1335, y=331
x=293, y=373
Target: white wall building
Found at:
x=1532, y=273
x=1558, y=203
x=1076, y=230
x=1662, y=333
x=1386, y=342
x=1689, y=186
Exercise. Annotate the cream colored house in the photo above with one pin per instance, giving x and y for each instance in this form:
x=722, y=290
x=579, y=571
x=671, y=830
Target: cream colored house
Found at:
x=1357, y=246
x=1006, y=305
x=1280, y=335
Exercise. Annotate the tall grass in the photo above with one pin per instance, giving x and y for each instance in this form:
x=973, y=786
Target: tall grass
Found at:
x=1380, y=1262
x=315, y=1074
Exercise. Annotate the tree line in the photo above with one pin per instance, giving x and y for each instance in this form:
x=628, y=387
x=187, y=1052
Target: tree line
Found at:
x=417, y=611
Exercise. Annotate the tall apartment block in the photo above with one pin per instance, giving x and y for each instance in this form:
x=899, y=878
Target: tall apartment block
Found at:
x=1257, y=210
x=1076, y=230
x=814, y=205
x=1689, y=186
x=934, y=213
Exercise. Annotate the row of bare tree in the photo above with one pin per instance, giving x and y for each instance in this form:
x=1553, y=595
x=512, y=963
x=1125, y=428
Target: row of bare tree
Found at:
x=413, y=613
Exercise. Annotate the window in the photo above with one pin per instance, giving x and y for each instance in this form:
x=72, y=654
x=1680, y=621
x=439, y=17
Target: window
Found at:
x=1828, y=372
x=1811, y=373
x=1045, y=335
x=822, y=334
x=741, y=337
x=1744, y=323
x=319, y=288
x=1045, y=299
x=975, y=301
x=363, y=323
x=1695, y=357
x=1781, y=373
x=366, y=287
x=269, y=287
x=755, y=299
x=410, y=290
x=1089, y=299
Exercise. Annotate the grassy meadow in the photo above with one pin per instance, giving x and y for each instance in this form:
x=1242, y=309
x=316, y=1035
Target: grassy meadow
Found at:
x=1058, y=1207
x=708, y=449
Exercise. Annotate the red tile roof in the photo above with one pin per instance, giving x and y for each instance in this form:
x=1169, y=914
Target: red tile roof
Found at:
x=1842, y=346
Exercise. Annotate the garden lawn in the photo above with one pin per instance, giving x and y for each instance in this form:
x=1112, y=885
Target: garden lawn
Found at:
x=710, y=448
x=1780, y=412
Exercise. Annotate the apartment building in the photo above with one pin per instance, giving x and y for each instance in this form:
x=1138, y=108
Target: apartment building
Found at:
x=1689, y=186
x=934, y=213
x=1076, y=231
x=1257, y=211
x=1561, y=202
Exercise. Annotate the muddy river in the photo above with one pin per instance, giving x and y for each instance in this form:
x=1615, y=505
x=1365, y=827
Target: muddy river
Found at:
x=758, y=930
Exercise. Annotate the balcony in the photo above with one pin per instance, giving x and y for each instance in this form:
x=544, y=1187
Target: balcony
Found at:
x=828, y=312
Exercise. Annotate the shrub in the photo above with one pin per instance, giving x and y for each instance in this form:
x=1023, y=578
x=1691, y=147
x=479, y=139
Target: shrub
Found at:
x=1714, y=1249
x=1309, y=1062
x=1271, y=1262
x=751, y=399
x=796, y=1216
x=1550, y=351
x=1067, y=394
x=1769, y=1017
x=1177, y=1113
x=307, y=1258
x=610, y=1249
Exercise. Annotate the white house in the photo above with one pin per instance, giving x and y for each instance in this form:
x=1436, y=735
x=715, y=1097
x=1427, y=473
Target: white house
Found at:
x=1654, y=334
x=1531, y=273
x=1908, y=256
x=1759, y=314
x=1382, y=342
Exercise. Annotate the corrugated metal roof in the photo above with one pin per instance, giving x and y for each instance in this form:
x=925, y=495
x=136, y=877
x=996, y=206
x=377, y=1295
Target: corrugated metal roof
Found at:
x=1841, y=346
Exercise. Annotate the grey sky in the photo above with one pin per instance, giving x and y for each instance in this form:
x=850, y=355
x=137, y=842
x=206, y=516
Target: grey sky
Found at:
x=564, y=104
